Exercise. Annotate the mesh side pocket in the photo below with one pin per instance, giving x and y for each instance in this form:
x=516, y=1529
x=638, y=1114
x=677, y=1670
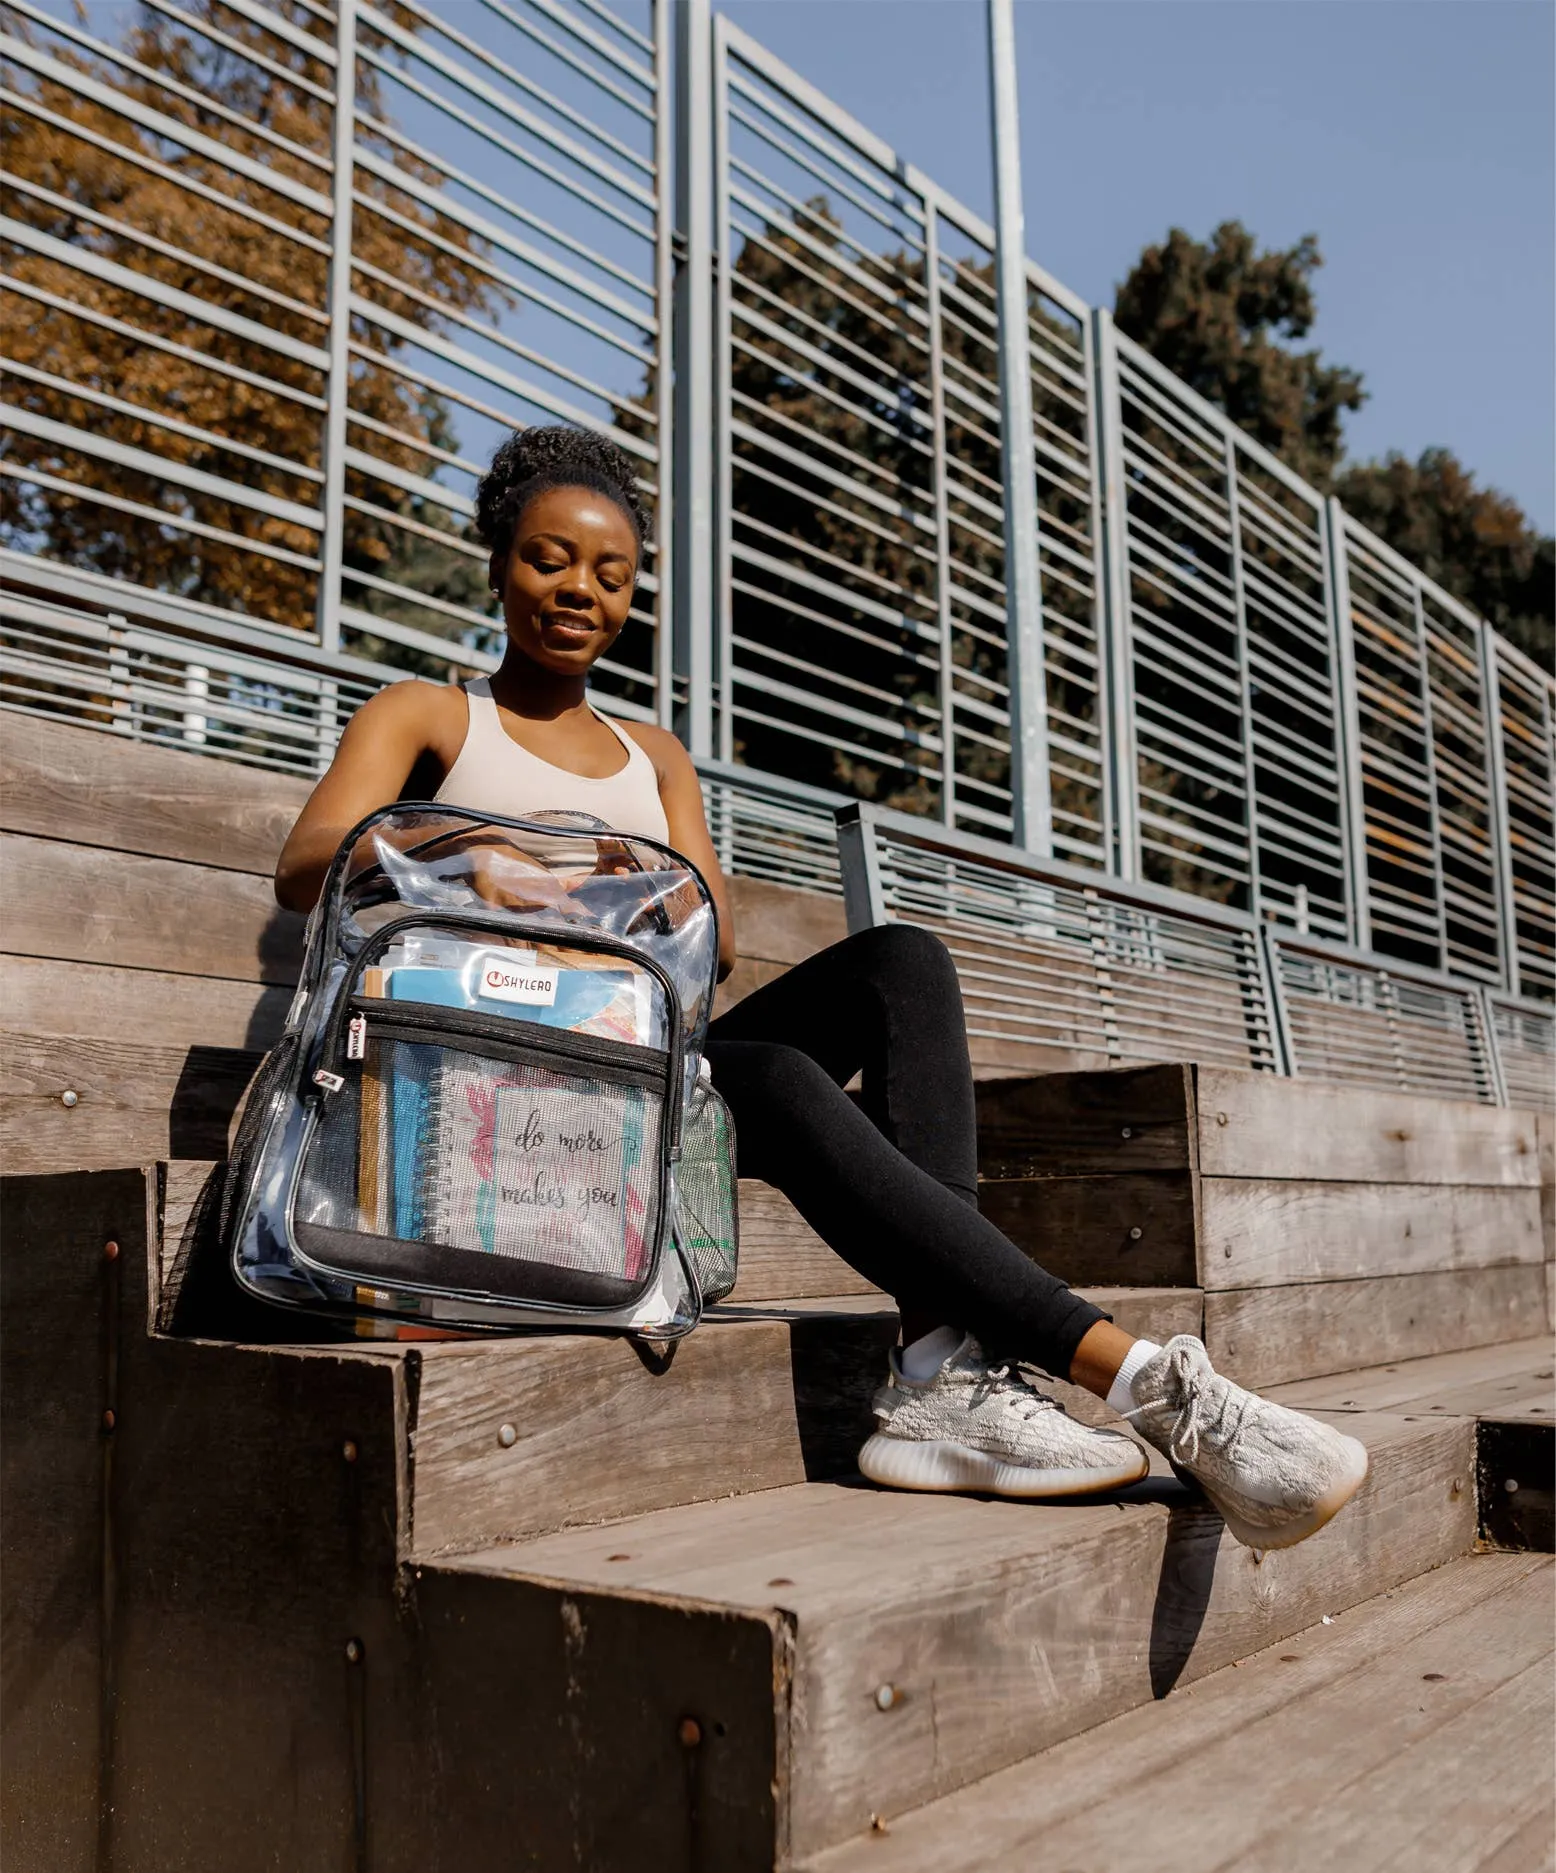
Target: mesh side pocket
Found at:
x=706, y=1213
x=481, y=1169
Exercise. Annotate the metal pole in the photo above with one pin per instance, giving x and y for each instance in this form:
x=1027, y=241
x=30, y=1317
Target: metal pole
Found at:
x=693, y=476
x=1119, y=690
x=1498, y=828
x=1348, y=727
x=332, y=494
x=1031, y=806
x=664, y=376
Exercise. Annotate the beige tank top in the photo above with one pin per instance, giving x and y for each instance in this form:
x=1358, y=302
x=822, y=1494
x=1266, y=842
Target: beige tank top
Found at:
x=493, y=774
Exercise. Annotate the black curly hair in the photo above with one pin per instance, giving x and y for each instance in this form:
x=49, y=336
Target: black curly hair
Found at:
x=534, y=461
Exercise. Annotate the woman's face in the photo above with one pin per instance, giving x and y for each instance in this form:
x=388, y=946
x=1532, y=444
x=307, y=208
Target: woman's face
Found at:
x=566, y=582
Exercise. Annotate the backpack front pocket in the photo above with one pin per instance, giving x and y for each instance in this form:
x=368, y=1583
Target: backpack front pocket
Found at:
x=472, y=1154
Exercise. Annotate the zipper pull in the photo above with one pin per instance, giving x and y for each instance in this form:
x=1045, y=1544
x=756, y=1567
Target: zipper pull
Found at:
x=331, y=1082
x=356, y=1038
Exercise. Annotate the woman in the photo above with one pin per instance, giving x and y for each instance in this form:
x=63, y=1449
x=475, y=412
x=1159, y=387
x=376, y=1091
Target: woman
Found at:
x=890, y=1182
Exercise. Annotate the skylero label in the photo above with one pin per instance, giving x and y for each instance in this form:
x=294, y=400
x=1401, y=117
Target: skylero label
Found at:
x=504, y=980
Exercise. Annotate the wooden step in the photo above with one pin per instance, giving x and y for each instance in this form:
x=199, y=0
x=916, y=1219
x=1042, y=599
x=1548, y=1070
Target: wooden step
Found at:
x=516, y=1436
x=1409, y=1735
x=1508, y=1392
x=1329, y=1227
x=269, y=1511
x=922, y=1642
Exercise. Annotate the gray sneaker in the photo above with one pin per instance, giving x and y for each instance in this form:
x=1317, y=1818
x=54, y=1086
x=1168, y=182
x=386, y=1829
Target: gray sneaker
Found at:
x=1275, y=1475
x=984, y=1427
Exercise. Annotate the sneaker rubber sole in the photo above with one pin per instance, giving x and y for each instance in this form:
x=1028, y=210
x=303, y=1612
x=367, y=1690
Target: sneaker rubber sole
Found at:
x=1327, y=1507
x=904, y=1463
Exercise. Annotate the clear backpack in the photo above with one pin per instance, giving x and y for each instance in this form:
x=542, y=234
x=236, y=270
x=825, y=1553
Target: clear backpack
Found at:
x=489, y=1108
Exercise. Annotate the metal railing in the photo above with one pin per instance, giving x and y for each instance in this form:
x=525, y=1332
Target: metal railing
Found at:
x=1055, y=959
x=1060, y=966
x=284, y=272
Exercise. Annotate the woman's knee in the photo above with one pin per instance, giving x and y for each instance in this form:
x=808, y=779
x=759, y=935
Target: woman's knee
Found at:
x=766, y=1077
x=902, y=952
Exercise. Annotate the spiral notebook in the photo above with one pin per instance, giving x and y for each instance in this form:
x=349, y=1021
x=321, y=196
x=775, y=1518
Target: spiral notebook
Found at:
x=533, y=1164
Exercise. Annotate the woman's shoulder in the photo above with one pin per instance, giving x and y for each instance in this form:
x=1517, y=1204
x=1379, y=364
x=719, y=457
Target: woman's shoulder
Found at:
x=415, y=704
x=666, y=751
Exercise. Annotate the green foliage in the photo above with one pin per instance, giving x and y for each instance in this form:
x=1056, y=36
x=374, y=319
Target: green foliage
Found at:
x=1214, y=314
x=1476, y=543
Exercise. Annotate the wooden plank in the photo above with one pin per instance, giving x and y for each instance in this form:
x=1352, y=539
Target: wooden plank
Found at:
x=605, y=1433
x=77, y=785
x=1450, y=1790
x=85, y=905
x=134, y=1104
x=42, y=996
x=1120, y=1765
x=547, y=1725
x=62, y=1305
x=1082, y=1228
x=1274, y=1336
x=1403, y=1385
x=1257, y=1125
x=1014, y=1056
x=1375, y=1728
x=1085, y=1124
x=780, y=924
x=781, y=1256
x=1258, y=1232
x=985, y=1617
x=752, y=1401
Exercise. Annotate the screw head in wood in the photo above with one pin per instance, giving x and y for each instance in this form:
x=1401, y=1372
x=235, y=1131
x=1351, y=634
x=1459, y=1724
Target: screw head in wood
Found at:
x=110, y=1251
x=885, y=1696
x=1511, y=1485
x=1127, y=1132
x=348, y=1450
x=1221, y=1118
x=353, y=1651
x=690, y=1732
x=1136, y=1232
x=110, y=1419
x=507, y=1436
x=69, y=1097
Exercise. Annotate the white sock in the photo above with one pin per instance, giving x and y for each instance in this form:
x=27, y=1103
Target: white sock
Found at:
x=924, y=1358
x=1121, y=1397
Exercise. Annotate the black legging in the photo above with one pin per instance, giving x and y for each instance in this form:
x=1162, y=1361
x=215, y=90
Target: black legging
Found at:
x=890, y=1183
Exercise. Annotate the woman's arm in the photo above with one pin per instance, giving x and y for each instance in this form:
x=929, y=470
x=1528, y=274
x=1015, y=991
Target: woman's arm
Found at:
x=681, y=794
x=381, y=745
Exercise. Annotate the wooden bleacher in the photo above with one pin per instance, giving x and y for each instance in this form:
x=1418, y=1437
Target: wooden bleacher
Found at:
x=547, y=1602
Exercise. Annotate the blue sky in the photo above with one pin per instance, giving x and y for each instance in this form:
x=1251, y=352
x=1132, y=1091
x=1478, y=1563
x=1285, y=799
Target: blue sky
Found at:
x=1415, y=137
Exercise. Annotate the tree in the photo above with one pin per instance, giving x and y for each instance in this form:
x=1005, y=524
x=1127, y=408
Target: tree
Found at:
x=1476, y=543
x=1214, y=315
x=144, y=374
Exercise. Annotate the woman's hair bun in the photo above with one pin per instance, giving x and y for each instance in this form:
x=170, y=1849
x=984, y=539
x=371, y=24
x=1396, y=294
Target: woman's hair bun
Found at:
x=534, y=461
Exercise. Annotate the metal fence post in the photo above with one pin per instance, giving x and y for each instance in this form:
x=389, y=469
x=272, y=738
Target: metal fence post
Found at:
x=692, y=478
x=1244, y=677
x=664, y=373
x=332, y=493
x=942, y=514
x=1348, y=725
x=1113, y=630
x=1496, y=790
x=1031, y=805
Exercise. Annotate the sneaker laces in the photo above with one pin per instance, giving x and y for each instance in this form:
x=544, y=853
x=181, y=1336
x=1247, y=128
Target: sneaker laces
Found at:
x=1007, y=1382
x=1206, y=1411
